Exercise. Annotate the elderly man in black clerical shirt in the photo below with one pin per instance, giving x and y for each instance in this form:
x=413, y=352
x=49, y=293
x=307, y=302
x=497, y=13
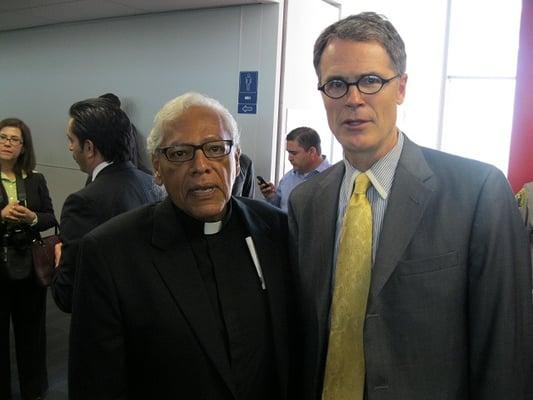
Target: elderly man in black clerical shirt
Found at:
x=186, y=298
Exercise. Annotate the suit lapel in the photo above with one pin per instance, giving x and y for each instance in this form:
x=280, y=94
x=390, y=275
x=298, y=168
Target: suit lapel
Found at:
x=412, y=188
x=327, y=201
x=176, y=264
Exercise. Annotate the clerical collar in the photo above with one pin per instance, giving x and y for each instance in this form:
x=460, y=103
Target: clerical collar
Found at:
x=210, y=228
x=196, y=228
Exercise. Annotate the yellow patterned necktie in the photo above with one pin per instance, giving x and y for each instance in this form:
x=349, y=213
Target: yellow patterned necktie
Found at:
x=344, y=377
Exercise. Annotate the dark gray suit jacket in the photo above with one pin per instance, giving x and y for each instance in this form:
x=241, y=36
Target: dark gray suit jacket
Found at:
x=244, y=184
x=142, y=323
x=118, y=188
x=449, y=310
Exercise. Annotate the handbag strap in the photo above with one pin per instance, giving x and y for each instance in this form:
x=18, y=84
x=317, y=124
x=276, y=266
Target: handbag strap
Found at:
x=21, y=187
x=56, y=232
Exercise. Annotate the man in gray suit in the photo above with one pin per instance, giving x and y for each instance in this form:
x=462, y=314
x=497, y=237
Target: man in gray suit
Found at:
x=448, y=312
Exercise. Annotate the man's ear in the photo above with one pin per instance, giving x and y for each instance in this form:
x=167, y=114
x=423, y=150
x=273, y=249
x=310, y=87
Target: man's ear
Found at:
x=312, y=151
x=400, y=95
x=237, y=161
x=157, y=174
x=88, y=147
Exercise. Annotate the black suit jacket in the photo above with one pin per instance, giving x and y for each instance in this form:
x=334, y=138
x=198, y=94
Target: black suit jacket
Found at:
x=37, y=200
x=244, y=185
x=142, y=325
x=118, y=188
x=449, y=310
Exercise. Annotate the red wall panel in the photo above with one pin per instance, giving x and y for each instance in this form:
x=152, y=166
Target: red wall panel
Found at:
x=521, y=153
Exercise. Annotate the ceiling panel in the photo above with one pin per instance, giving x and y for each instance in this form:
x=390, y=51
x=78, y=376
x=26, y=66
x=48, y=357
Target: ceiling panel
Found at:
x=82, y=10
x=18, y=14
x=166, y=5
x=15, y=20
x=10, y=5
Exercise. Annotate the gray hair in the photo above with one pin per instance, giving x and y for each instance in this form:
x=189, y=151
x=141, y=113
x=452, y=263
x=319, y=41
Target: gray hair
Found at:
x=173, y=109
x=364, y=27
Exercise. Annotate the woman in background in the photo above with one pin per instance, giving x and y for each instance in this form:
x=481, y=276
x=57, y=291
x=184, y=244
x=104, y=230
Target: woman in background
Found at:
x=21, y=299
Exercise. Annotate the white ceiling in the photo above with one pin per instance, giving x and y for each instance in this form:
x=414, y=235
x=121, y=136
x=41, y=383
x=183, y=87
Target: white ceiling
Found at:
x=18, y=14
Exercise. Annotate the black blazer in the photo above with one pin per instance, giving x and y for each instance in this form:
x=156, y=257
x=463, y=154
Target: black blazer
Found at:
x=449, y=312
x=244, y=184
x=37, y=199
x=142, y=326
x=119, y=187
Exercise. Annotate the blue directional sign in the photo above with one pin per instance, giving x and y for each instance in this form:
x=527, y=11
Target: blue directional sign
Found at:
x=248, y=92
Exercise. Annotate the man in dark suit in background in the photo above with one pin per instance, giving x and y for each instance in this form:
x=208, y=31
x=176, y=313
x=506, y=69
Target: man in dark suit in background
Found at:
x=445, y=297
x=99, y=135
x=187, y=298
x=244, y=185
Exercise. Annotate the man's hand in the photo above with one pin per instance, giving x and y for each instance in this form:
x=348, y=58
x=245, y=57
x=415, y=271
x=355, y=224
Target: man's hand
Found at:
x=268, y=189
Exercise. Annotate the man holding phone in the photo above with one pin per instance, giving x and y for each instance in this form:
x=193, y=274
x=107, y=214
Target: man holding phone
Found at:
x=305, y=155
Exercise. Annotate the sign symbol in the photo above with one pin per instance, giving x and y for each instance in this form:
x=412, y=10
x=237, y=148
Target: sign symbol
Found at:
x=247, y=99
x=248, y=82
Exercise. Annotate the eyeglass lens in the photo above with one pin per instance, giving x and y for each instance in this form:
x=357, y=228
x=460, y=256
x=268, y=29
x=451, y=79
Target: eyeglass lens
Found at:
x=12, y=139
x=215, y=149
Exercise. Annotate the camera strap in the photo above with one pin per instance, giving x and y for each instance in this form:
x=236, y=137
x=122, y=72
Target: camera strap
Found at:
x=21, y=189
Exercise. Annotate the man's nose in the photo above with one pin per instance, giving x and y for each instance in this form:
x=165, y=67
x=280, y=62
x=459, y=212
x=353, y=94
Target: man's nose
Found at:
x=200, y=162
x=354, y=96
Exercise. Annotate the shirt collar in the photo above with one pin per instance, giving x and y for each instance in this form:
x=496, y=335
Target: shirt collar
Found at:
x=321, y=167
x=381, y=173
x=99, y=168
x=5, y=178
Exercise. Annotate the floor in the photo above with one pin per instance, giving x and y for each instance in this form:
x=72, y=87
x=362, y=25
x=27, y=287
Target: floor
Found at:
x=57, y=326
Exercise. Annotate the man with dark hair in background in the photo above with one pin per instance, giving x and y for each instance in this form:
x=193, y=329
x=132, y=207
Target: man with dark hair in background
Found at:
x=139, y=156
x=99, y=135
x=305, y=155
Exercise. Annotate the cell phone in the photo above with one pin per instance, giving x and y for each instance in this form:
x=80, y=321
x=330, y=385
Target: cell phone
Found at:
x=261, y=180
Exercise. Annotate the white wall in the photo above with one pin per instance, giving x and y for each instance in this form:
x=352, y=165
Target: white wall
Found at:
x=302, y=103
x=146, y=60
x=422, y=25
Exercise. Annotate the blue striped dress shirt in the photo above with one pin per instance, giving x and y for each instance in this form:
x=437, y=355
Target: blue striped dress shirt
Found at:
x=381, y=175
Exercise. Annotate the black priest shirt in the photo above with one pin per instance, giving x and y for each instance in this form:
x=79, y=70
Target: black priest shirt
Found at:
x=238, y=301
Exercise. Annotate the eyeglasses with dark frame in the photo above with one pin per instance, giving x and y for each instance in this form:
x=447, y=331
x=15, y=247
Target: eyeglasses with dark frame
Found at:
x=15, y=141
x=186, y=152
x=366, y=84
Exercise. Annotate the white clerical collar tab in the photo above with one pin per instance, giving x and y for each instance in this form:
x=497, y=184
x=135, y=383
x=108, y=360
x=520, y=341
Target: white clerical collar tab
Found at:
x=210, y=228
